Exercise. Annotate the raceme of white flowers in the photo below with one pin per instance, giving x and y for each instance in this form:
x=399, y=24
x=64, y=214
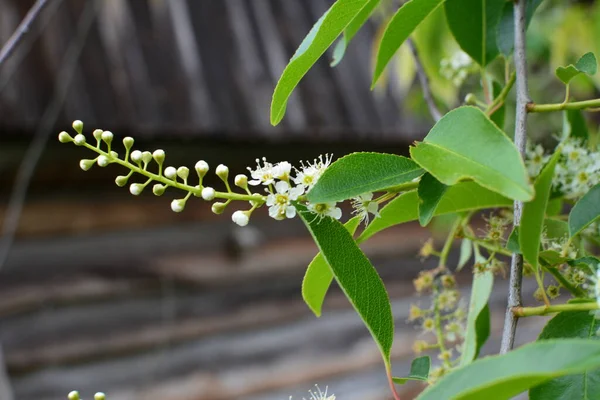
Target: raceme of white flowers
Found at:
x=318, y=394
x=282, y=183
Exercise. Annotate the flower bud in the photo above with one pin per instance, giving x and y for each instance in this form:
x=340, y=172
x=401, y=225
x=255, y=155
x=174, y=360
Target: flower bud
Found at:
x=97, y=134
x=170, y=172
x=107, y=136
x=183, y=172
x=78, y=126
x=241, y=181
x=158, y=189
x=128, y=142
x=471, y=99
x=146, y=157
x=208, y=193
x=86, y=164
x=99, y=396
x=240, y=217
x=114, y=154
x=178, y=205
x=136, y=156
x=222, y=172
x=201, y=168
x=103, y=161
x=159, y=156
x=121, y=180
x=136, y=188
x=79, y=139
x=64, y=137
x=74, y=395
x=218, y=208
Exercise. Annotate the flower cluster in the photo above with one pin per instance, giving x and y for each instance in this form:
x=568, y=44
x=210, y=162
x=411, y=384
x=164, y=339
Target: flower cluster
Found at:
x=457, y=68
x=318, y=394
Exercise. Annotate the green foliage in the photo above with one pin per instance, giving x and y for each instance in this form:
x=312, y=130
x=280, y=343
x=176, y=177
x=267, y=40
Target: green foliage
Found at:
x=505, y=31
x=321, y=36
x=360, y=173
x=465, y=144
x=466, y=251
x=354, y=26
x=585, y=65
x=586, y=211
x=532, y=220
x=318, y=276
x=478, y=322
x=502, y=377
x=356, y=276
x=574, y=125
x=430, y=193
x=584, y=385
x=402, y=24
x=475, y=30
x=419, y=371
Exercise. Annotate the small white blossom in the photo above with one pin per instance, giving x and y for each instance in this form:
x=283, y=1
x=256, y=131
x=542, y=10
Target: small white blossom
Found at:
x=240, y=217
x=282, y=170
x=318, y=394
x=279, y=203
x=262, y=174
x=309, y=173
x=535, y=159
x=364, y=205
x=326, y=209
x=208, y=193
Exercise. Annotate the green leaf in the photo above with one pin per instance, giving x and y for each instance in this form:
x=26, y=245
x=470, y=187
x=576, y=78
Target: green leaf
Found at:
x=355, y=275
x=555, y=206
x=318, y=276
x=430, y=193
x=402, y=24
x=473, y=24
x=574, y=125
x=551, y=257
x=318, y=40
x=590, y=264
x=354, y=26
x=419, y=371
x=478, y=321
x=504, y=376
x=532, y=220
x=359, y=173
x=505, y=32
x=466, y=251
x=464, y=196
x=585, y=65
x=586, y=211
x=582, y=386
x=512, y=243
x=465, y=144
x=556, y=229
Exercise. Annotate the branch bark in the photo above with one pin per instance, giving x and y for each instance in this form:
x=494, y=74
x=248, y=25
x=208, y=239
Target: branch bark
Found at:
x=516, y=267
x=13, y=42
x=424, y=81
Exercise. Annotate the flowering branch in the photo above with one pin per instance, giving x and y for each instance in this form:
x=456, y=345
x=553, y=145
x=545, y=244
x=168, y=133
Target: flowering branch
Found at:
x=574, y=105
x=499, y=100
x=545, y=310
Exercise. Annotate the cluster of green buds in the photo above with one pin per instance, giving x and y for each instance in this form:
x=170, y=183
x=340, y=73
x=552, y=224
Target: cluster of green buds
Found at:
x=74, y=395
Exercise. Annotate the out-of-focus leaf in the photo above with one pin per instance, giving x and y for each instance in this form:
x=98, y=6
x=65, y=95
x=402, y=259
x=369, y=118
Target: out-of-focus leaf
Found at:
x=586, y=211
x=419, y=371
x=585, y=65
x=351, y=30
x=430, y=193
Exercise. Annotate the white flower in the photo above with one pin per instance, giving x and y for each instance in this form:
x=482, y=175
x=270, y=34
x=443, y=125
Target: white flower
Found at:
x=208, y=193
x=262, y=174
x=363, y=205
x=282, y=170
x=319, y=395
x=280, y=202
x=326, y=209
x=240, y=217
x=309, y=174
x=535, y=160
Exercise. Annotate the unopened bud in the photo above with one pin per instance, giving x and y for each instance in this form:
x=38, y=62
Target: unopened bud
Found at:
x=136, y=156
x=208, y=193
x=99, y=396
x=107, y=136
x=183, y=172
x=201, y=168
x=241, y=181
x=86, y=164
x=128, y=142
x=158, y=189
x=146, y=157
x=178, y=205
x=121, y=180
x=79, y=139
x=218, y=208
x=64, y=137
x=170, y=172
x=471, y=99
x=97, y=134
x=78, y=126
x=103, y=161
x=159, y=156
x=222, y=172
x=136, y=189
x=240, y=217
x=74, y=395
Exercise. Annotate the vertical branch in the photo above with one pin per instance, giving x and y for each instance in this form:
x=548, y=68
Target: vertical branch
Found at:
x=516, y=267
x=424, y=81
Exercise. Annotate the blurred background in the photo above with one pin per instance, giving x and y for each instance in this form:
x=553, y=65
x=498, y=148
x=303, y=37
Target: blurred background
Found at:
x=101, y=291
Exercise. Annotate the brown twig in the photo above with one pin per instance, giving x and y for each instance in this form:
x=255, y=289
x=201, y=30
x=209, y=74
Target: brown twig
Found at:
x=424, y=81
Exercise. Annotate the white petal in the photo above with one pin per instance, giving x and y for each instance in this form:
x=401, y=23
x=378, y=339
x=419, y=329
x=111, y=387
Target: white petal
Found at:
x=282, y=187
x=335, y=213
x=290, y=212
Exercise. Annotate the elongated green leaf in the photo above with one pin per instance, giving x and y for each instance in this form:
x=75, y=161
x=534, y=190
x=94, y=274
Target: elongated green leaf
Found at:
x=478, y=321
x=586, y=211
x=357, y=278
x=512, y=243
x=419, y=371
x=466, y=251
x=473, y=24
x=556, y=229
x=505, y=376
x=360, y=173
x=582, y=386
x=351, y=30
x=585, y=65
x=318, y=40
x=505, y=32
x=465, y=144
x=532, y=220
x=318, y=276
x=464, y=196
x=402, y=24
x=574, y=125
x=430, y=193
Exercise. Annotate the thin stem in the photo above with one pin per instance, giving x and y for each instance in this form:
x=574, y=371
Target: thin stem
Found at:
x=516, y=267
x=489, y=246
x=448, y=244
x=574, y=105
x=403, y=187
x=545, y=310
x=501, y=98
x=388, y=370
x=567, y=93
x=424, y=81
x=437, y=319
